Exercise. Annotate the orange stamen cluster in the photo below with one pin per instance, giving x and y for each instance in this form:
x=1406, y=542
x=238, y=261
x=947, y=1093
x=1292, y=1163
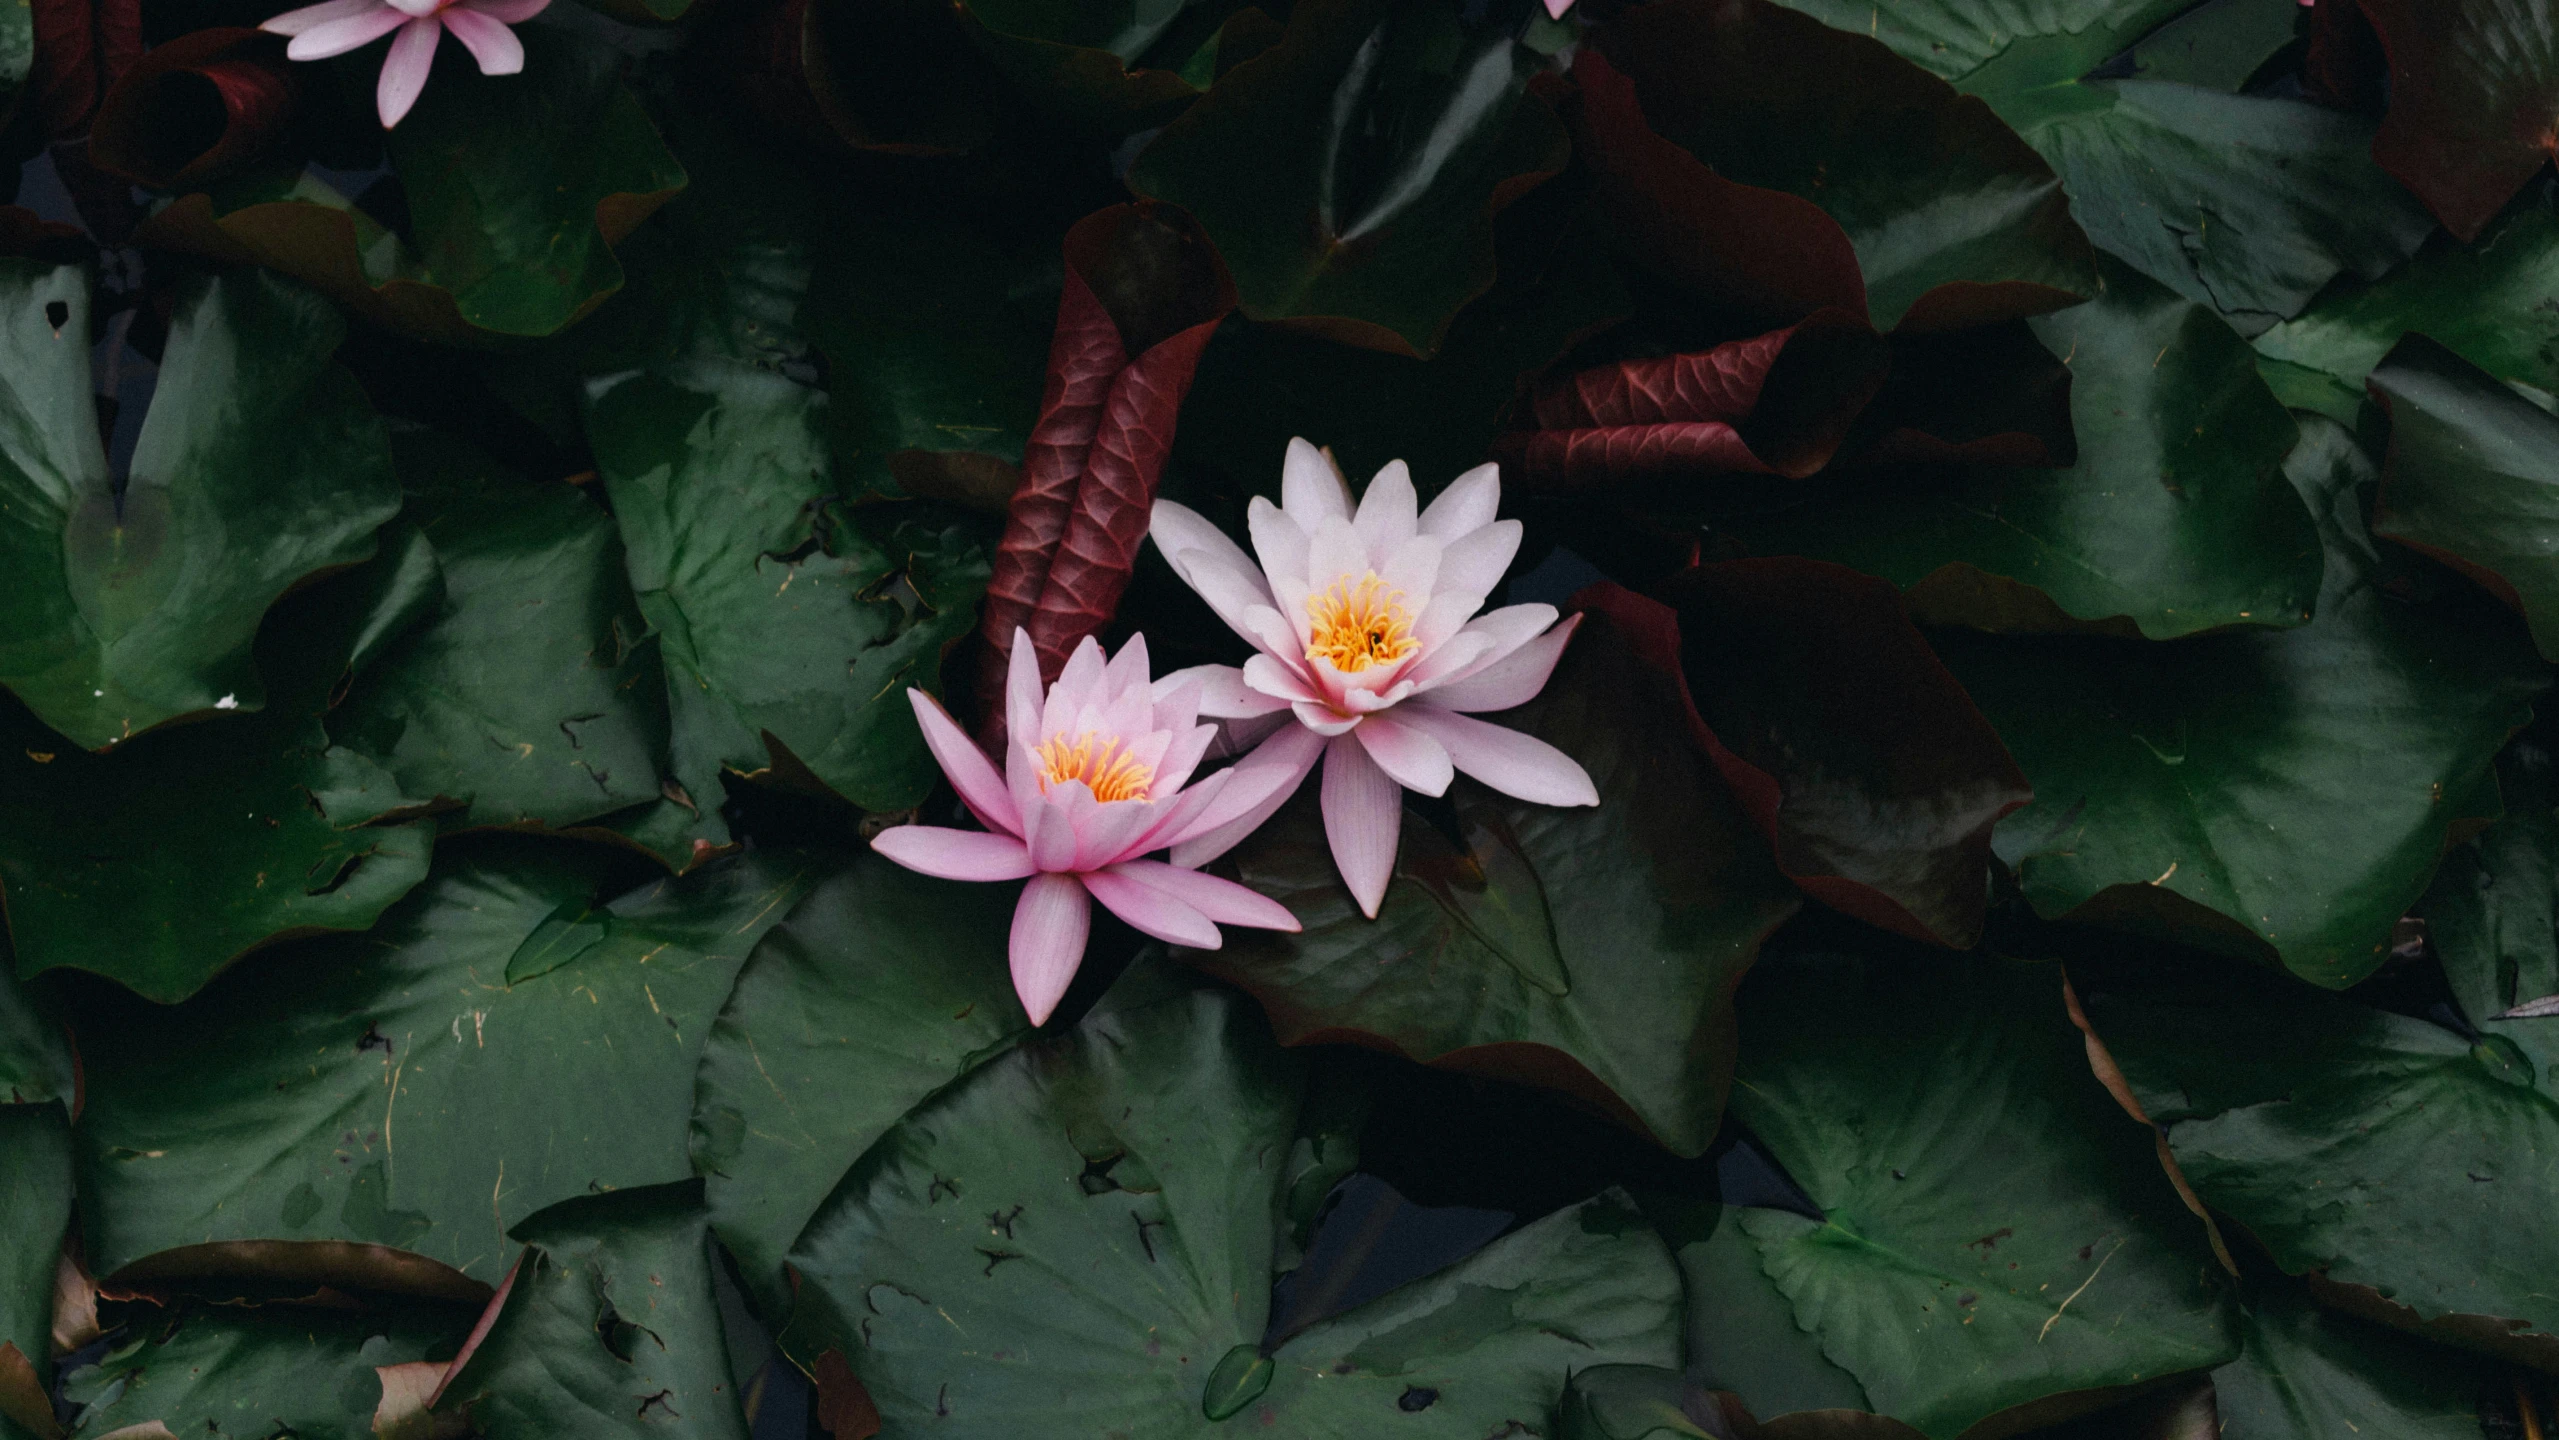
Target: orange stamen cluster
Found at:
x=1359, y=623
x=1102, y=763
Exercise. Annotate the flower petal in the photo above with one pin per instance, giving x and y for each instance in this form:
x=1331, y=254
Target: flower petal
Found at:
x=311, y=17
x=1223, y=693
x=954, y=854
x=1022, y=689
x=1334, y=553
x=1078, y=685
x=1158, y=913
x=1459, y=652
x=1468, y=504
x=325, y=38
x=506, y=12
x=1208, y=562
x=1476, y=561
x=1048, y=830
x=1311, y=489
x=1322, y=719
x=489, y=42
x=1279, y=542
x=1222, y=901
x=1409, y=757
x=1256, y=787
x=1521, y=766
x=1050, y=925
x=1127, y=671
x=1363, y=820
x=1512, y=679
x=404, y=70
x=1269, y=678
x=1386, y=518
x=972, y=774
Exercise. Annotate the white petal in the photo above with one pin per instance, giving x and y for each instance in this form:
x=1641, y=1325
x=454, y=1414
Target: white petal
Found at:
x=1311, y=490
x=1386, y=516
x=1468, y=504
x=1279, y=541
x=1223, y=693
x=1335, y=552
x=1477, y=561
x=1506, y=680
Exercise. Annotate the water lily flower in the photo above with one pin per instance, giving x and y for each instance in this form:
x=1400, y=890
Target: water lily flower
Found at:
x=1372, y=655
x=1095, y=778
x=334, y=28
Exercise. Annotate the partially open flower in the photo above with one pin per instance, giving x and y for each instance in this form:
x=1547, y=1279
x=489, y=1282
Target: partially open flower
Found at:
x=1095, y=777
x=338, y=26
x=1372, y=654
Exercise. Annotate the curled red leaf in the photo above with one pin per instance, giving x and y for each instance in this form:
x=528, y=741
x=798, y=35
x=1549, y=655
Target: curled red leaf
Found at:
x=2474, y=102
x=82, y=48
x=153, y=128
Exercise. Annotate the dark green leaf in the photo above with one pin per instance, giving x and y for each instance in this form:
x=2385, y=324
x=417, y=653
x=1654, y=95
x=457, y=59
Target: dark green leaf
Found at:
x=2309, y=1373
x=2220, y=44
x=398, y=1091
x=1349, y=174
x=1080, y=1235
x=2176, y=519
x=1994, y=50
x=2492, y=915
x=35, y=1211
x=2175, y=780
x=2472, y=478
x=35, y=1058
x=1998, y=1232
x=258, y=465
x=303, y=1371
x=1637, y=1402
x=2495, y=303
x=1588, y=950
x=881, y=988
x=1078, y=62
x=609, y=1327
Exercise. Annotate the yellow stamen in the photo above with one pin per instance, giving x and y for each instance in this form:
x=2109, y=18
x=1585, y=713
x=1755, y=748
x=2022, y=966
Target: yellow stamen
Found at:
x=1102, y=763
x=1359, y=623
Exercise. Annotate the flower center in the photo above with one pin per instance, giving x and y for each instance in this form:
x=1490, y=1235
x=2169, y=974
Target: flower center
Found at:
x=1359, y=623
x=1103, y=763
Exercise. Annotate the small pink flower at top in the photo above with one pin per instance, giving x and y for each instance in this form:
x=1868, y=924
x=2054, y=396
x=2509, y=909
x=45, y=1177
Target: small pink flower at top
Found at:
x=1555, y=8
x=1095, y=778
x=320, y=31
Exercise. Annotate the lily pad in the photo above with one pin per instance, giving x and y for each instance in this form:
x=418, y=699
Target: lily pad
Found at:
x=1349, y=174
x=504, y=237
x=397, y=1091
x=2173, y=783
x=1993, y=50
x=608, y=1326
x=2474, y=102
x=2305, y=1372
x=2492, y=915
x=2472, y=478
x=2388, y=1153
x=1082, y=1233
x=1592, y=951
x=259, y=465
x=1994, y=1231
x=35, y=1214
x=300, y=1370
x=2176, y=518
x=527, y=696
x=882, y=987
x=35, y=1054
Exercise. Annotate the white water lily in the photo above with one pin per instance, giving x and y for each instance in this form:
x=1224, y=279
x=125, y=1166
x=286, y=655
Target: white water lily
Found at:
x=1372, y=656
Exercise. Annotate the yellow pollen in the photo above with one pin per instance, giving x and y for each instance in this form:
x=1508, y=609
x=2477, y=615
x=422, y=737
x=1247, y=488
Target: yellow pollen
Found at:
x=1359, y=623
x=1104, y=765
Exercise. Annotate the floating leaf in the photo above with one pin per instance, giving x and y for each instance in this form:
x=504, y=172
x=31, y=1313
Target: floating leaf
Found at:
x=1994, y=50
x=1591, y=951
x=306, y=1371
x=1086, y=1227
x=2306, y=1372
x=35, y=1216
x=2474, y=102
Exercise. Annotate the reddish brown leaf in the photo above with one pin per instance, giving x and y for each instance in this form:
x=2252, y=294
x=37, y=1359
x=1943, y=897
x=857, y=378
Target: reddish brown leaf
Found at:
x=895, y=77
x=2343, y=66
x=845, y=1409
x=154, y=128
x=82, y=48
x=1988, y=396
x=1855, y=751
x=2474, y=102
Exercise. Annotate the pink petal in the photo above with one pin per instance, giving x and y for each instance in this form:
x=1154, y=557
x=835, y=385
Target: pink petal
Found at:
x=1223, y=901
x=405, y=69
x=1049, y=929
x=1458, y=654
x=1022, y=689
x=507, y=12
x=1310, y=488
x=1555, y=8
x=1107, y=834
x=1278, y=541
x=1184, y=757
x=1255, y=789
x=1386, y=512
x=310, y=17
x=1322, y=720
x=954, y=854
x=1047, y=832
x=1521, y=766
x=1468, y=504
x=1512, y=679
x=336, y=37
x=1363, y=818
x=1474, y=563
x=971, y=773
x=1078, y=686
x=1409, y=757
x=1161, y=915
x=1223, y=693
x=489, y=42
x=1271, y=680
x=1129, y=670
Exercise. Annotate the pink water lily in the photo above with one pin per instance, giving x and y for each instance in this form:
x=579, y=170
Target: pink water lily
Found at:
x=334, y=28
x=1095, y=778
x=1372, y=655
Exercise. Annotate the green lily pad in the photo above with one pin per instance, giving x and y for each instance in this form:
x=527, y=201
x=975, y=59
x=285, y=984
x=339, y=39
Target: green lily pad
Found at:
x=2495, y=302
x=1081, y=1233
x=2174, y=783
x=259, y=465
x=2220, y=44
x=163, y=861
x=609, y=1326
x=2176, y=518
x=1349, y=174
x=527, y=696
x=1104, y=68
x=397, y=1091
x=1997, y=1232
x=2247, y=203
x=2492, y=915
x=2472, y=478
x=1590, y=950
x=2305, y=1372
x=1993, y=50
x=2388, y=1153
x=35, y=1057
x=35, y=1213
x=882, y=987
x=504, y=237
x=300, y=1370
